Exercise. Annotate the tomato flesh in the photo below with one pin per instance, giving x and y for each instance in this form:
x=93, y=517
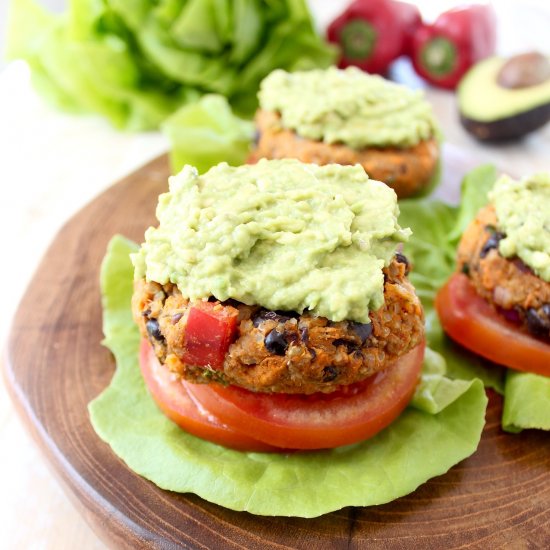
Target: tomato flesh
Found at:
x=209, y=331
x=469, y=320
x=318, y=421
x=174, y=401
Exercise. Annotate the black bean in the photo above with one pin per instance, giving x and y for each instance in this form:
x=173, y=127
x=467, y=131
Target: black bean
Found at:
x=492, y=242
x=329, y=373
x=257, y=137
x=401, y=258
x=287, y=313
x=275, y=342
x=512, y=315
x=313, y=353
x=256, y=321
x=259, y=317
x=304, y=334
x=546, y=310
x=153, y=330
x=363, y=330
x=538, y=324
x=176, y=317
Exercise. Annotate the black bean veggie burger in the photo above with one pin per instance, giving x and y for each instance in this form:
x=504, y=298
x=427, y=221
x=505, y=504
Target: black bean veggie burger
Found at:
x=275, y=308
x=349, y=117
x=497, y=304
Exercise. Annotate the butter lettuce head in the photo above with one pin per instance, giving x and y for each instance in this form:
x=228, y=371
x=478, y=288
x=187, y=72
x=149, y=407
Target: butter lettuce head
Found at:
x=441, y=427
x=137, y=61
x=437, y=228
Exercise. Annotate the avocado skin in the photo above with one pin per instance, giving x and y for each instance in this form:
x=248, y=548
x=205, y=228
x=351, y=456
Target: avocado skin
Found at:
x=512, y=127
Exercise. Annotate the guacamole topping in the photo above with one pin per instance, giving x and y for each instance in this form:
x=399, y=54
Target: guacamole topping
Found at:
x=523, y=213
x=348, y=106
x=280, y=234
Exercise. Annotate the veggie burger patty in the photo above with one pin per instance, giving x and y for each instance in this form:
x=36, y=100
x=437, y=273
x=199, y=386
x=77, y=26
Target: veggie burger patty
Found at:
x=508, y=284
x=406, y=170
x=282, y=351
x=276, y=277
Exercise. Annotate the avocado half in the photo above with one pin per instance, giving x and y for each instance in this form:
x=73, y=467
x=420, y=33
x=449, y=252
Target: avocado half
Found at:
x=492, y=112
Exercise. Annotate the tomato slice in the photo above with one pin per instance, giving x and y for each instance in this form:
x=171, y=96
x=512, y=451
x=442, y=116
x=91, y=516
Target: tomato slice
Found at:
x=209, y=331
x=317, y=421
x=467, y=318
x=173, y=400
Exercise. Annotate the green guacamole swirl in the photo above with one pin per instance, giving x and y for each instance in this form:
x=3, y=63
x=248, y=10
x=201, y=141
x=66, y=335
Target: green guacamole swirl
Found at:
x=523, y=213
x=348, y=106
x=280, y=234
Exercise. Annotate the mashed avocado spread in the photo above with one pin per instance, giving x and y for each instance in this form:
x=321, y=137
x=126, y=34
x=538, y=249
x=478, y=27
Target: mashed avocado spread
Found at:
x=280, y=234
x=348, y=106
x=523, y=213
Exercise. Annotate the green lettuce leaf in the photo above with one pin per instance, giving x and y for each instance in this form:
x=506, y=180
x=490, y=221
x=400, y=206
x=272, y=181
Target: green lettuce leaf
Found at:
x=436, y=391
x=437, y=228
x=447, y=419
x=527, y=402
x=207, y=132
x=135, y=61
x=475, y=186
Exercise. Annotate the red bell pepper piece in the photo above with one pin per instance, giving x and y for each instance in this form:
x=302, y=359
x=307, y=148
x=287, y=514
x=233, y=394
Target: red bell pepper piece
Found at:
x=209, y=331
x=460, y=37
x=372, y=33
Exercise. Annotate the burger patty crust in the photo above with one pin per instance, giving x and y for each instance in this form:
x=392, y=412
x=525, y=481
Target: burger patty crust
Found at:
x=406, y=170
x=284, y=351
x=507, y=284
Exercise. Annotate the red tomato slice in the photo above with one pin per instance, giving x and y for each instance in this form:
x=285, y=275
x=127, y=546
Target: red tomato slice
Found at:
x=317, y=421
x=209, y=331
x=173, y=400
x=467, y=318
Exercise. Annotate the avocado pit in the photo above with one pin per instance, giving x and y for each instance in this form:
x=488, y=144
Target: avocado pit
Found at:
x=524, y=70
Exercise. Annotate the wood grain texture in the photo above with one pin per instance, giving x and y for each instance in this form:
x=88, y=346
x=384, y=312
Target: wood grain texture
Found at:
x=55, y=365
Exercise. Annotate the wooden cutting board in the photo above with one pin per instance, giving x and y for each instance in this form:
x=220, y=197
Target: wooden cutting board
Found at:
x=55, y=365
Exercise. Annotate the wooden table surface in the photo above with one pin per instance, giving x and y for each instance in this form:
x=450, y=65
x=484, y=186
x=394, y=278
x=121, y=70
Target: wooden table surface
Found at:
x=51, y=165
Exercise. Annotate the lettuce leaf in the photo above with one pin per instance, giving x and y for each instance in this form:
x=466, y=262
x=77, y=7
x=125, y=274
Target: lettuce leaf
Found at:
x=207, y=132
x=136, y=61
x=437, y=228
x=527, y=402
x=436, y=391
x=441, y=428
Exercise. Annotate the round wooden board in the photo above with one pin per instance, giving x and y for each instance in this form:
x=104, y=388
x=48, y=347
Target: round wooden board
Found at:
x=55, y=365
